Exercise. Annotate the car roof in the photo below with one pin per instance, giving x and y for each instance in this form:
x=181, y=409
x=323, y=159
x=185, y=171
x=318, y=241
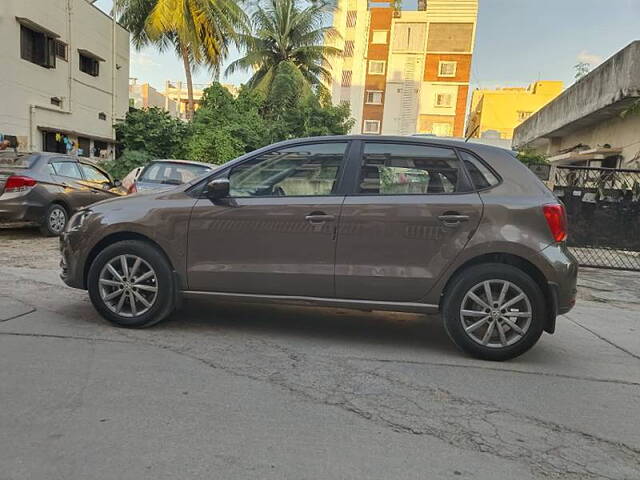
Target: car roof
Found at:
x=186, y=162
x=435, y=141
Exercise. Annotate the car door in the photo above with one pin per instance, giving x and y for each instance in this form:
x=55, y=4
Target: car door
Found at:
x=98, y=182
x=276, y=232
x=409, y=214
x=66, y=172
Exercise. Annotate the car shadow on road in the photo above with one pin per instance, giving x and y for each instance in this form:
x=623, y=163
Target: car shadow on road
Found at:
x=310, y=323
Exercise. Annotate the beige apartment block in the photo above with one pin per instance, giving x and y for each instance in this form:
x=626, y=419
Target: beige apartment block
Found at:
x=143, y=95
x=64, y=76
x=404, y=72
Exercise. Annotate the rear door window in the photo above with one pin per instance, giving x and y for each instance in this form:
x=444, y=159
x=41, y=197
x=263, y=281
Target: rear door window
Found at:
x=406, y=169
x=66, y=168
x=171, y=173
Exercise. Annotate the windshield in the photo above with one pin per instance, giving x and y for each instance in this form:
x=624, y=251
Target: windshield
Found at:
x=171, y=173
x=15, y=160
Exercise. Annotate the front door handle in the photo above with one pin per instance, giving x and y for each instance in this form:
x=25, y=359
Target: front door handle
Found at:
x=453, y=219
x=318, y=217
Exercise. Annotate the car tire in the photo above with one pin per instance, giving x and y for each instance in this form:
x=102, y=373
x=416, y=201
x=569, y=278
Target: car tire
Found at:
x=516, y=326
x=138, y=305
x=54, y=221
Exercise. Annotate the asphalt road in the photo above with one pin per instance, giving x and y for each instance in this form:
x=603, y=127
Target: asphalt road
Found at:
x=238, y=391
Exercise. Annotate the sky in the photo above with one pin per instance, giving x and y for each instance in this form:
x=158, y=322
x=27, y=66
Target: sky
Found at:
x=517, y=42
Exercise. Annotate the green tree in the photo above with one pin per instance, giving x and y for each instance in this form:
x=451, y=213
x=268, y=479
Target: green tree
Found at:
x=285, y=32
x=126, y=162
x=198, y=30
x=530, y=157
x=152, y=131
x=224, y=127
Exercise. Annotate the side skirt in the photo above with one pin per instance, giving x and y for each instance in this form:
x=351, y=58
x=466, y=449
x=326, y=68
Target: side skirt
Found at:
x=319, y=301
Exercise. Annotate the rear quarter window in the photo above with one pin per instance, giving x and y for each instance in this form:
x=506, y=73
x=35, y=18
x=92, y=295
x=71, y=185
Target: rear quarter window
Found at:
x=481, y=176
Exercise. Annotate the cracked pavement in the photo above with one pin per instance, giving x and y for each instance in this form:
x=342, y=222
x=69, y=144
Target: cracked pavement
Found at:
x=226, y=390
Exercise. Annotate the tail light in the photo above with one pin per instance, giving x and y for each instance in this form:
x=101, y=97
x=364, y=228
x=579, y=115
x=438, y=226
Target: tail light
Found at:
x=132, y=188
x=556, y=216
x=18, y=183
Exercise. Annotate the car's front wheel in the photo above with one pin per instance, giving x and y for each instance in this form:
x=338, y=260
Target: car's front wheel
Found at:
x=494, y=311
x=130, y=284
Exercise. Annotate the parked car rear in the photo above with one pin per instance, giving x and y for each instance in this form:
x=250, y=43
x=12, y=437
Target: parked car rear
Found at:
x=47, y=188
x=164, y=174
x=407, y=224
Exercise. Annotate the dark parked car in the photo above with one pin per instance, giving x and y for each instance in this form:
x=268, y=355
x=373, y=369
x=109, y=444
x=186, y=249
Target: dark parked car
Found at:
x=164, y=174
x=48, y=188
x=387, y=223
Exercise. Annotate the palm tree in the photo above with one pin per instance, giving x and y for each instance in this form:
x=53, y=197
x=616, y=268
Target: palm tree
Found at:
x=284, y=32
x=199, y=30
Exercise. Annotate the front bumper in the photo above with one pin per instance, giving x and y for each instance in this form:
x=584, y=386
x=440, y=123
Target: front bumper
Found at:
x=71, y=260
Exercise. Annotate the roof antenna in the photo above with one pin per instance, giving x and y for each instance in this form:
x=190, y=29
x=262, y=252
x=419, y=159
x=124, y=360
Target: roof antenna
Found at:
x=472, y=133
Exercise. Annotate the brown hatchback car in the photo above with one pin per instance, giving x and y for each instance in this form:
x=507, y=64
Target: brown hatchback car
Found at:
x=387, y=223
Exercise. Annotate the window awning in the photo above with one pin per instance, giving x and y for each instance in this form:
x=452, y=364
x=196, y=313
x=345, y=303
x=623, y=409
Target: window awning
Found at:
x=38, y=28
x=87, y=53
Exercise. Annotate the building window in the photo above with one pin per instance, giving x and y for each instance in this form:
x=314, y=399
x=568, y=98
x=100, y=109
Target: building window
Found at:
x=89, y=65
x=523, y=115
x=409, y=37
x=443, y=99
x=379, y=37
x=99, y=147
x=348, y=48
x=57, y=101
x=447, y=69
x=441, y=129
x=374, y=97
x=352, y=16
x=61, y=50
x=84, y=147
x=37, y=47
x=371, y=126
x=346, y=78
x=376, y=67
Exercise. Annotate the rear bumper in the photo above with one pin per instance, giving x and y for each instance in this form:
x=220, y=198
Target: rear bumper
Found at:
x=562, y=279
x=19, y=208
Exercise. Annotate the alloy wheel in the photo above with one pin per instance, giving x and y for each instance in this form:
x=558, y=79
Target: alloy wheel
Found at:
x=57, y=220
x=496, y=313
x=128, y=285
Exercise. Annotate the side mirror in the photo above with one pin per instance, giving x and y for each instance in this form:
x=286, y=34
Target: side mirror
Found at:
x=218, y=189
x=117, y=183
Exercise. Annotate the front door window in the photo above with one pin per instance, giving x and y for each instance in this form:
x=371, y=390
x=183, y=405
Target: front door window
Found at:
x=303, y=170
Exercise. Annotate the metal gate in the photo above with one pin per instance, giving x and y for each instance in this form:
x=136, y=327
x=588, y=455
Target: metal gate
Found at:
x=603, y=206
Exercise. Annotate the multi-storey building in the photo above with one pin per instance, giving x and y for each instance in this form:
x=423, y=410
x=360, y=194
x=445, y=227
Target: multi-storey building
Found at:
x=404, y=72
x=177, y=91
x=64, y=70
x=501, y=110
x=143, y=95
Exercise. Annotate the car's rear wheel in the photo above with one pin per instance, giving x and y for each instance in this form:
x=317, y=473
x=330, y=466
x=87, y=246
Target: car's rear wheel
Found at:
x=130, y=283
x=55, y=220
x=494, y=311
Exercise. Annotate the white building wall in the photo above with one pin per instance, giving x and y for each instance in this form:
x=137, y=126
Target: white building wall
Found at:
x=28, y=88
x=354, y=94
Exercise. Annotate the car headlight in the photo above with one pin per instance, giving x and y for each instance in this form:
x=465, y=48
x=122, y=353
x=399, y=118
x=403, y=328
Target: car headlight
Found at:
x=76, y=222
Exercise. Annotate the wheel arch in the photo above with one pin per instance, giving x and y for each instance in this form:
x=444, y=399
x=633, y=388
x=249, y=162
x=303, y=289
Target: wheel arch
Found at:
x=522, y=264
x=119, y=237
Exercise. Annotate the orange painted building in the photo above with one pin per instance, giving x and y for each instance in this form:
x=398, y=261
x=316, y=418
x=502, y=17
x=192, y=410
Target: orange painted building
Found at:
x=404, y=72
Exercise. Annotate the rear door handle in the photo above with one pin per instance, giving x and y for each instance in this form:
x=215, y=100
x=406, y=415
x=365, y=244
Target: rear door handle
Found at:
x=452, y=220
x=319, y=218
